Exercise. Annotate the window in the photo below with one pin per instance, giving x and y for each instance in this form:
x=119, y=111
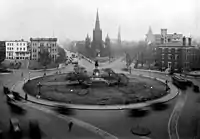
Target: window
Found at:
x=169, y=56
x=17, y=44
x=169, y=50
x=24, y=49
x=24, y=44
x=176, y=57
x=163, y=56
x=41, y=44
x=175, y=64
x=163, y=50
x=17, y=48
x=169, y=64
x=163, y=63
x=176, y=50
x=20, y=44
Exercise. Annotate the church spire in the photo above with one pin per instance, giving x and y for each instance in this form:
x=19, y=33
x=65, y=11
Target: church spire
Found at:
x=119, y=36
x=97, y=24
x=150, y=30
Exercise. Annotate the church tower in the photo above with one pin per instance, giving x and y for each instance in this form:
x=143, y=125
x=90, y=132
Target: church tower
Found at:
x=119, y=37
x=97, y=44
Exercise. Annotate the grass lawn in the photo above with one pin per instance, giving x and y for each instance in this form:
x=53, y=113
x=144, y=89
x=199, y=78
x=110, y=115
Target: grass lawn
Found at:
x=34, y=65
x=137, y=90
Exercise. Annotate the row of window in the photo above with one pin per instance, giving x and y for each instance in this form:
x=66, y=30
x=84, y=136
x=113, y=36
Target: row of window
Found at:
x=42, y=44
x=170, y=56
x=34, y=56
x=169, y=64
x=17, y=57
x=9, y=54
x=10, y=48
x=53, y=50
x=18, y=44
x=170, y=50
x=176, y=50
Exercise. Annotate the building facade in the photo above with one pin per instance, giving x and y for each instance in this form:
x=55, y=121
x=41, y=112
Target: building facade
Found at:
x=163, y=37
x=17, y=50
x=38, y=45
x=176, y=56
x=2, y=50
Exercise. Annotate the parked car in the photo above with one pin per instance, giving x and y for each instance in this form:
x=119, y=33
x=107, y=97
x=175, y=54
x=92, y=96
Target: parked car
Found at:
x=15, y=129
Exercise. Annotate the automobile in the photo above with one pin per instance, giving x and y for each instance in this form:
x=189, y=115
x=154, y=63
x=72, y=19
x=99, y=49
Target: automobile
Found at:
x=15, y=129
x=34, y=130
x=63, y=110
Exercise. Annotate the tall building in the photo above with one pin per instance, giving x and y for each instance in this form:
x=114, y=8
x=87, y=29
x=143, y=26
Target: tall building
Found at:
x=38, y=45
x=96, y=47
x=17, y=49
x=2, y=50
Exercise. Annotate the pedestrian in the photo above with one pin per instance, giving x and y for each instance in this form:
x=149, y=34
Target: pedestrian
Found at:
x=22, y=74
x=70, y=126
x=26, y=96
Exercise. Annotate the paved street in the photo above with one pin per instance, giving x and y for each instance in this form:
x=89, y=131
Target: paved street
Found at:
x=47, y=122
x=117, y=123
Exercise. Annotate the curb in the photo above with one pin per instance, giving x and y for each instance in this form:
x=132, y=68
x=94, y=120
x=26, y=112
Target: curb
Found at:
x=154, y=71
x=99, y=107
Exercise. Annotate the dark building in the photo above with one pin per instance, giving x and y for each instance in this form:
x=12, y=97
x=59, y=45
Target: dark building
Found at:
x=2, y=50
x=177, y=56
x=97, y=47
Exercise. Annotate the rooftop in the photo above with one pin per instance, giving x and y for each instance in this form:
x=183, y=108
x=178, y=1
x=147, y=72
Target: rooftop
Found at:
x=16, y=40
x=43, y=39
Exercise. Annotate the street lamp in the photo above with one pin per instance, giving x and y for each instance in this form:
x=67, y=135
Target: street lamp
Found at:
x=39, y=90
x=29, y=74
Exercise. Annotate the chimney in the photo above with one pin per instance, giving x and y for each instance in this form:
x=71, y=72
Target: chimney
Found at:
x=184, y=41
x=189, y=41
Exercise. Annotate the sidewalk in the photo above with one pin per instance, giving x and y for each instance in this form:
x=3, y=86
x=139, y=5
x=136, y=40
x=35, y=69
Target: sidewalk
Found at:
x=19, y=88
x=155, y=71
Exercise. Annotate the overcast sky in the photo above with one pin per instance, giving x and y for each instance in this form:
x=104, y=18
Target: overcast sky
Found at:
x=73, y=19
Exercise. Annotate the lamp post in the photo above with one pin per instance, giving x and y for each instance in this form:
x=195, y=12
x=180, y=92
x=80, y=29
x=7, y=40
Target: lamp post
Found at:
x=39, y=90
x=29, y=75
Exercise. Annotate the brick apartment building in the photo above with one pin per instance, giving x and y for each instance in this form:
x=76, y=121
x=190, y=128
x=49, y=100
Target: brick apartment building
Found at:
x=177, y=56
x=39, y=44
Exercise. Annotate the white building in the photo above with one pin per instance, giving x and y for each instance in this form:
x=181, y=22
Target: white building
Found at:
x=17, y=49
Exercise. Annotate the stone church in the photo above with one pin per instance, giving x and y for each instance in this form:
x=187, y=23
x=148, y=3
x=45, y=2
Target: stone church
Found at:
x=97, y=47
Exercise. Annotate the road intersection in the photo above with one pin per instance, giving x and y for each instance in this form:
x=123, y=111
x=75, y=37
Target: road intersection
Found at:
x=118, y=65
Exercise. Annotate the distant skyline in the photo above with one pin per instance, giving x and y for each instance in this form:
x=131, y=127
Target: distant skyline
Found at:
x=73, y=19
